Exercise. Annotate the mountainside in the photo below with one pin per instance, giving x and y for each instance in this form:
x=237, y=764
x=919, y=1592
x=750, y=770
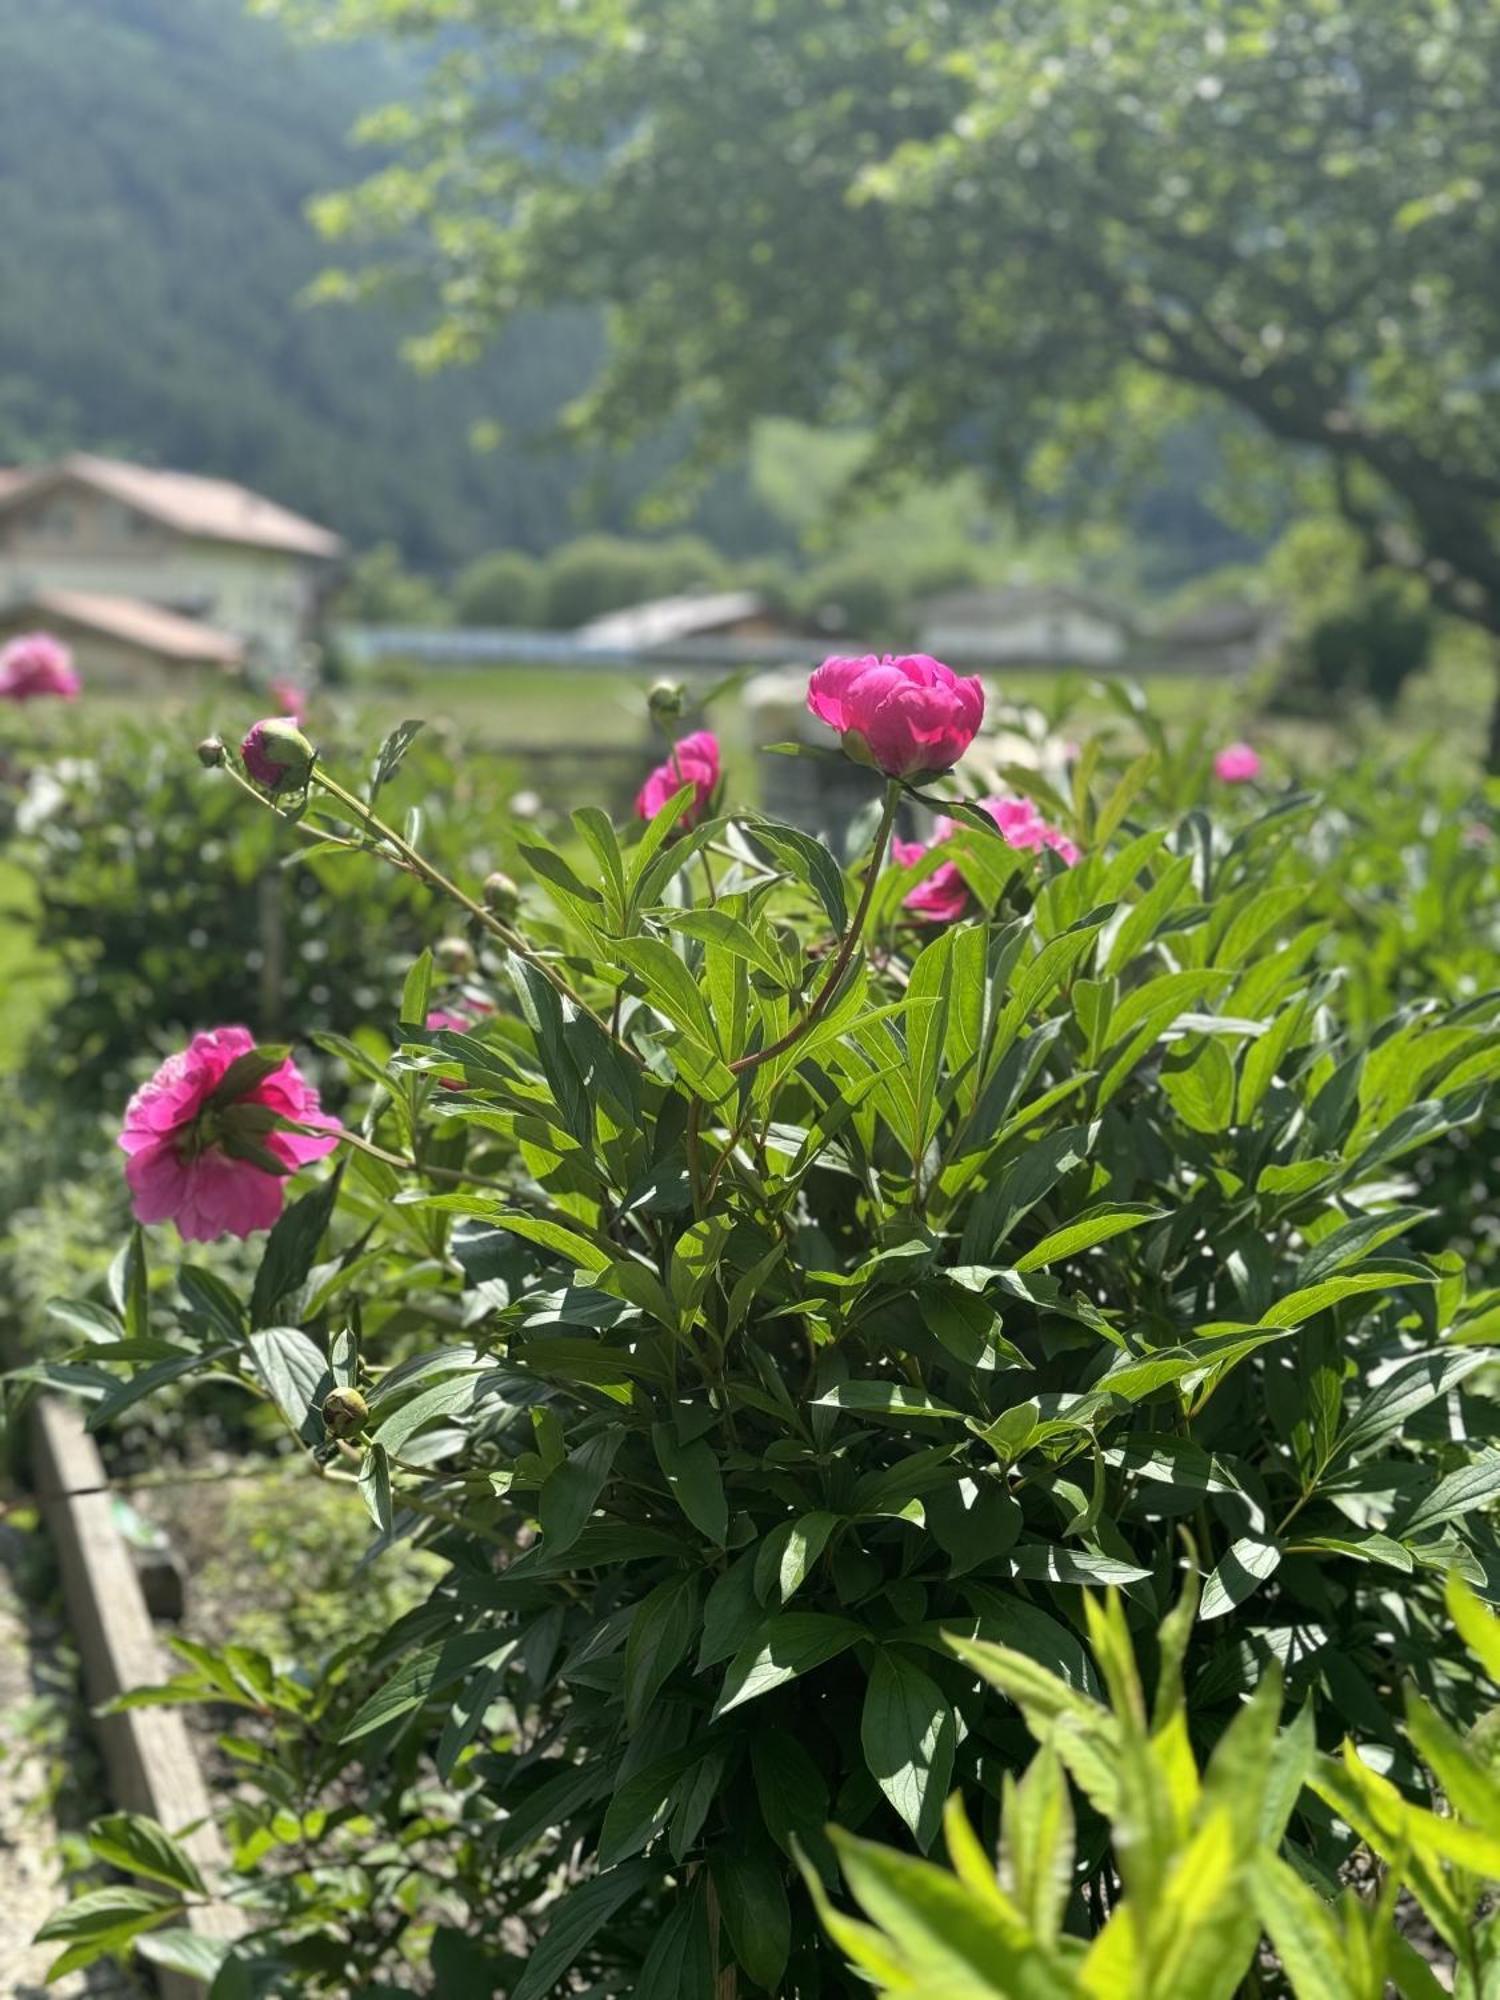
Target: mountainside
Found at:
x=155, y=156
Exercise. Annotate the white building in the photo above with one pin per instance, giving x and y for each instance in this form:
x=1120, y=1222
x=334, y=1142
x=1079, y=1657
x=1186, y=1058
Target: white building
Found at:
x=239, y=578
x=1027, y=625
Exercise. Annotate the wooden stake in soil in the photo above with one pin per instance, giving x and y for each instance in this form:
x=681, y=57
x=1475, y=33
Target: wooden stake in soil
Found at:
x=147, y=1753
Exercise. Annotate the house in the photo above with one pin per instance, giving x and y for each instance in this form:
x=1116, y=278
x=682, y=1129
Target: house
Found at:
x=123, y=642
x=1223, y=635
x=154, y=572
x=682, y=621
x=1049, y=625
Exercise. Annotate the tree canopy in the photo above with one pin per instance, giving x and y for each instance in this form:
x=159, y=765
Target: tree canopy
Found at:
x=1018, y=233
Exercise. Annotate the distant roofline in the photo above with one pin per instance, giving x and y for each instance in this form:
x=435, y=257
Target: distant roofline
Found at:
x=197, y=507
x=130, y=621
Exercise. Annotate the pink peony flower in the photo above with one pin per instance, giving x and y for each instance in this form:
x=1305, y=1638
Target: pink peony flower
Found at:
x=909, y=716
x=694, y=761
x=212, y=1164
x=291, y=699
x=277, y=754
x=36, y=664
x=1237, y=764
x=943, y=896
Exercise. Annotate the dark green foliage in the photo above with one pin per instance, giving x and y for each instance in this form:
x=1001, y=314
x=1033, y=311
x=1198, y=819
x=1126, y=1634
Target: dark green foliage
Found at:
x=600, y=573
x=163, y=899
x=734, y=1391
x=506, y=588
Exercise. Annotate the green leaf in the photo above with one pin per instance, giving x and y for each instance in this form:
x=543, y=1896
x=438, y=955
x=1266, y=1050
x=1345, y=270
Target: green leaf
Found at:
x=679, y=1965
x=424, y=1674
x=1241, y=1571
x=908, y=1735
x=101, y=1922
x=375, y=1486
x=754, y=1907
x=1095, y=1225
x=1407, y=1389
x=575, y=1920
x=292, y=1248
x=295, y=1375
x=660, y=1634
x=790, y=1644
x=792, y=1791
x=692, y=1473
x=569, y=1495
x=1312, y=1299
x=184, y=1951
x=139, y=1846
x=416, y=992
x=788, y=1553
x=392, y=753
x=1472, y=1486
x=883, y=1399
x=1202, y=1094
x=809, y=860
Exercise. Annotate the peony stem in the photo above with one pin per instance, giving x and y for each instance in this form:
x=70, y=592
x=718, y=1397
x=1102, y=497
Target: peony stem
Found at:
x=825, y=993
x=434, y=877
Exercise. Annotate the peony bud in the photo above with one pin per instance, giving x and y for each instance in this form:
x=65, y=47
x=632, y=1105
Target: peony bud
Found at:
x=454, y=957
x=344, y=1412
x=211, y=752
x=501, y=895
x=667, y=700
x=277, y=755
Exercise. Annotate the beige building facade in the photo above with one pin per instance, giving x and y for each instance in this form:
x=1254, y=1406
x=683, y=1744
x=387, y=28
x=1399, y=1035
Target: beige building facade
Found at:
x=248, y=575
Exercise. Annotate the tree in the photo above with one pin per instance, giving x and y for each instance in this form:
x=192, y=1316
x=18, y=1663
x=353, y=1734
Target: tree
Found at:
x=506, y=588
x=1023, y=233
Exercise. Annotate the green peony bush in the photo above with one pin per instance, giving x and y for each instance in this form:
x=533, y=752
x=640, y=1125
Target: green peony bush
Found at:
x=764, y=1297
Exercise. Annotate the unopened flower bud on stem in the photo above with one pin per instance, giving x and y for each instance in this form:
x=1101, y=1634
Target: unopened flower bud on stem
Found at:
x=345, y=1412
x=211, y=752
x=666, y=700
x=501, y=895
x=454, y=957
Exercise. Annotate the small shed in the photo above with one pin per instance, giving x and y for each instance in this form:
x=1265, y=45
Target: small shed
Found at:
x=1051, y=625
x=122, y=642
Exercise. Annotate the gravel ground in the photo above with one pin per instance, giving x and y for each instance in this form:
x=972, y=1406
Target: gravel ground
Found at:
x=30, y=1867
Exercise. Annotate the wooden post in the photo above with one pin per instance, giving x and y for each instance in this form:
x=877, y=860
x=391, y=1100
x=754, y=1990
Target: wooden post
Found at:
x=148, y=1754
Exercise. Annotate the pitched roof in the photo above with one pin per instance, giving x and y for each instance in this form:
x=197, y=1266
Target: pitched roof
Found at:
x=133, y=623
x=214, y=510
x=664, y=619
x=1024, y=600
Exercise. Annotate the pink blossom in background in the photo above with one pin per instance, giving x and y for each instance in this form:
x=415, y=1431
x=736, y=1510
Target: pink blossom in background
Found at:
x=36, y=665
x=943, y=896
x=1237, y=764
x=694, y=761
x=186, y=1154
x=906, y=714
x=290, y=698
x=1477, y=834
x=458, y=1018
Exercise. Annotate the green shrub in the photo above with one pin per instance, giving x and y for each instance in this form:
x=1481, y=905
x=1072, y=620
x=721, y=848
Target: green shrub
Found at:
x=600, y=573
x=507, y=588
x=1204, y=1886
x=740, y=1333
x=1368, y=648
x=854, y=598
x=379, y=590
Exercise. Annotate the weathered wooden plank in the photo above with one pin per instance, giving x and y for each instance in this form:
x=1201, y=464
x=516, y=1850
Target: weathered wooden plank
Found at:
x=148, y=1754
